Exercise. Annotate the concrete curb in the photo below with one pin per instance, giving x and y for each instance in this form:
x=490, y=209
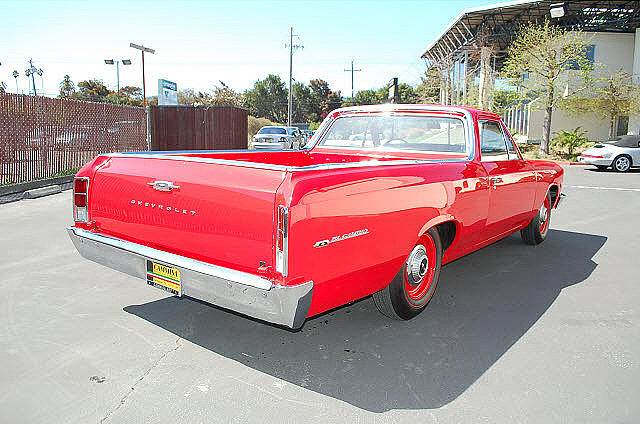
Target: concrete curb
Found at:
x=15, y=192
x=42, y=191
x=22, y=187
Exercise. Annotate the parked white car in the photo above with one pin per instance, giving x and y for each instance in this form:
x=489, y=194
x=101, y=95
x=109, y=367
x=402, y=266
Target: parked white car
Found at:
x=621, y=154
x=278, y=138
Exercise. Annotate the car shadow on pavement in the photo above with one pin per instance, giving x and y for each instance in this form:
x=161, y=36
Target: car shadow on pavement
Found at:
x=484, y=303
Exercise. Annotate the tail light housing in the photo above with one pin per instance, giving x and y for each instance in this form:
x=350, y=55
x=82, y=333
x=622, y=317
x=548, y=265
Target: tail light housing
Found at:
x=282, y=244
x=81, y=199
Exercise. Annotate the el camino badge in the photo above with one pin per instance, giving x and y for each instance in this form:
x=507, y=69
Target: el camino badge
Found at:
x=346, y=236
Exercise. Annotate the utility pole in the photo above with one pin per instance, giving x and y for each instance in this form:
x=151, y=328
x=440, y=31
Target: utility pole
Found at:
x=352, y=71
x=292, y=48
x=148, y=50
x=30, y=72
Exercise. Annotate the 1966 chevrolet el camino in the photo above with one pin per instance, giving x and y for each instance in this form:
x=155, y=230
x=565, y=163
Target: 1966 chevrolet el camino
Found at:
x=383, y=197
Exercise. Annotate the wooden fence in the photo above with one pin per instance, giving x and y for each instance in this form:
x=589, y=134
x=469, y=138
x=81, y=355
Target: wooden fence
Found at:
x=198, y=127
x=42, y=137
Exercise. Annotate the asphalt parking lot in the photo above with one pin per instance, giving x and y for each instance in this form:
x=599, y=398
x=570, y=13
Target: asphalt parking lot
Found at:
x=514, y=334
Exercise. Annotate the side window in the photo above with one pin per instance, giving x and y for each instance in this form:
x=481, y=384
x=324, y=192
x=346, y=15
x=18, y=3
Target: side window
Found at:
x=492, y=143
x=513, y=152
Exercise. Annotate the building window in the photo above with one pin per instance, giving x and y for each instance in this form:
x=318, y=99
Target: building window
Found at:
x=589, y=56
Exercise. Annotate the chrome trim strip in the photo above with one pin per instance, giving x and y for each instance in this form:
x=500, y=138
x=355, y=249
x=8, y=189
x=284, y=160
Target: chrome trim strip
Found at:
x=86, y=194
x=238, y=291
x=177, y=260
x=282, y=231
x=285, y=168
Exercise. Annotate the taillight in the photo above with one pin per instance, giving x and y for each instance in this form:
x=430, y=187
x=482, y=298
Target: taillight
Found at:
x=81, y=199
x=282, y=240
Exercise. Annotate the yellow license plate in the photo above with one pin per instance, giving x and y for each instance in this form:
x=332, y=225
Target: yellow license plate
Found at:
x=164, y=277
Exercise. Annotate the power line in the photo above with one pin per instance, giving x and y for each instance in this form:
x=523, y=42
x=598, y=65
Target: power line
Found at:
x=352, y=71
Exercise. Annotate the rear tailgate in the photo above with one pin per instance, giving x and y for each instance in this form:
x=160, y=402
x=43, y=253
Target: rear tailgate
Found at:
x=218, y=213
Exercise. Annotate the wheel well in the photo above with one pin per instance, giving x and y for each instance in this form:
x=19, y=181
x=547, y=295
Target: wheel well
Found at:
x=447, y=233
x=627, y=155
x=553, y=191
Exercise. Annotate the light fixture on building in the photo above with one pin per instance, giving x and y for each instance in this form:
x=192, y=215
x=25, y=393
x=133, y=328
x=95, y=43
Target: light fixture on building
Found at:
x=557, y=10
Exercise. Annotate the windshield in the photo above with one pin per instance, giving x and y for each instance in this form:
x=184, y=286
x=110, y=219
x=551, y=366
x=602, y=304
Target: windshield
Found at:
x=272, y=130
x=397, y=132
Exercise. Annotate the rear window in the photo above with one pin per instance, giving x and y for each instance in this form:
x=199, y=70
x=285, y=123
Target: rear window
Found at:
x=272, y=130
x=398, y=132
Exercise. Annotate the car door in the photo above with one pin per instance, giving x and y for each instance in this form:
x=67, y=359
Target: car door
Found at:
x=512, y=180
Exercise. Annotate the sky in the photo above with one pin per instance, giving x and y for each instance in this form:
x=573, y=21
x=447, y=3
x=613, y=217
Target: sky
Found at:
x=200, y=43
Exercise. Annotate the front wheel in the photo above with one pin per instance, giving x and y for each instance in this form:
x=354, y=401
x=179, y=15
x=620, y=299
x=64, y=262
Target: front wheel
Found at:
x=413, y=286
x=537, y=230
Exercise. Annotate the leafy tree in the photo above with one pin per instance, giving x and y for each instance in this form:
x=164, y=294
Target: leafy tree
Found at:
x=547, y=55
x=612, y=95
x=364, y=97
x=92, y=91
x=302, y=102
x=268, y=99
x=67, y=88
x=428, y=90
x=131, y=96
x=502, y=98
x=323, y=100
x=223, y=95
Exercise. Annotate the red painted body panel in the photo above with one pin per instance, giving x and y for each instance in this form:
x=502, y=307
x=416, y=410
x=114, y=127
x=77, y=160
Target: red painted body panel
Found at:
x=235, y=203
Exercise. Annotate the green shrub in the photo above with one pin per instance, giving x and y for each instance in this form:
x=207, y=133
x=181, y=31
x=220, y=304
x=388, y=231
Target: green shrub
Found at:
x=256, y=123
x=569, y=140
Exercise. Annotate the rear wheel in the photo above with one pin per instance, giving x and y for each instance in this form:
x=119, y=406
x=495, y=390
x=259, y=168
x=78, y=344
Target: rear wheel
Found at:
x=413, y=286
x=537, y=230
x=622, y=163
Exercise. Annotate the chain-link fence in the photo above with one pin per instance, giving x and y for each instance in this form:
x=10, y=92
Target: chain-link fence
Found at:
x=42, y=137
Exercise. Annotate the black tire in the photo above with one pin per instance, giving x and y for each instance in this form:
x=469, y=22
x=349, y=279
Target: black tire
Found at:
x=536, y=231
x=602, y=167
x=399, y=300
x=621, y=163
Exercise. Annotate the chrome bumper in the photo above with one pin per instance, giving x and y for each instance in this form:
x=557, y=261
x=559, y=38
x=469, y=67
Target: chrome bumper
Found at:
x=239, y=291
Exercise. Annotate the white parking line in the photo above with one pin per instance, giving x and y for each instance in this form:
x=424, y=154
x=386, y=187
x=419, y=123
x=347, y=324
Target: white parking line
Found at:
x=607, y=188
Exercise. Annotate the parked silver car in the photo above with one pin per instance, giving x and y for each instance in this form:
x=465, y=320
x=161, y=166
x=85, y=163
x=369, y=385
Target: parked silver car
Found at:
x=621, y=154
x=278, y=138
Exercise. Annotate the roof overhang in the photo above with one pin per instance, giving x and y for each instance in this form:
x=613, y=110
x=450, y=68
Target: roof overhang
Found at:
x=500, y=22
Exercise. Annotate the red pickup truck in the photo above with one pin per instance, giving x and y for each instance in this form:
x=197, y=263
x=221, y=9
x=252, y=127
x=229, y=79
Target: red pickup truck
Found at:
x=384, y=196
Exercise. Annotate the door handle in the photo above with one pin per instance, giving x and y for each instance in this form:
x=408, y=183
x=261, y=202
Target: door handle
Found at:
x=495, y=181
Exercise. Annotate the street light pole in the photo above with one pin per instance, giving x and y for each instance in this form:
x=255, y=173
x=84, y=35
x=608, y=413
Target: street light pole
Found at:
x=148, y=50
x=292, y=48
x=117, y=63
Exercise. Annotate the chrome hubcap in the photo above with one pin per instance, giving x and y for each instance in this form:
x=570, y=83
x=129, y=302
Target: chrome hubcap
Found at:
x=543, y=214
x=622, y=164
x=417, y=265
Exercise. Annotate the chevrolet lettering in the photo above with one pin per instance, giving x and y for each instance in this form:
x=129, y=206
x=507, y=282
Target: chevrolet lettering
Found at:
x=375, y=205
x=162, y=207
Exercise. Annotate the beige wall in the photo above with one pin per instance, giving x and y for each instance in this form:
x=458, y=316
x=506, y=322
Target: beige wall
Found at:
x=614, y=51
x=597, y=128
